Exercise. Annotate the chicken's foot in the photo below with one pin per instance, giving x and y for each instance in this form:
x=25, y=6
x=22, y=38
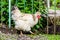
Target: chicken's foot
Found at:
x=21, y=33
x=31, y=32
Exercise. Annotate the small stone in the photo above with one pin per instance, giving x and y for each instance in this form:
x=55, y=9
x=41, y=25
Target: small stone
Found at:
x=11, y=30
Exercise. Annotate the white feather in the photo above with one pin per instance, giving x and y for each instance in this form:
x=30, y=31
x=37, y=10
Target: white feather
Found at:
x=23, y=21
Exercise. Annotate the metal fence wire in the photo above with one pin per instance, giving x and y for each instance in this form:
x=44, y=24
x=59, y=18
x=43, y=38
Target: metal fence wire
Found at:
x=9, y=2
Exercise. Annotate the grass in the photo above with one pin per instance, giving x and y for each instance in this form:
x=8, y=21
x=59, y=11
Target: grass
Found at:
x=52, y=37
x=49, y=36
x=14, y=37
x=52, y=7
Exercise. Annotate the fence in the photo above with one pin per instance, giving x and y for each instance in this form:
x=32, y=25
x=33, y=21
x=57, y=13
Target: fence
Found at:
x=8, y=19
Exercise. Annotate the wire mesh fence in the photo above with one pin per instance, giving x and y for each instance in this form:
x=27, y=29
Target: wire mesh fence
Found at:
x=30, y=6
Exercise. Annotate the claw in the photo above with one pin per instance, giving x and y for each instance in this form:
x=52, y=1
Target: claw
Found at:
x=21, y=34
x=31, y=32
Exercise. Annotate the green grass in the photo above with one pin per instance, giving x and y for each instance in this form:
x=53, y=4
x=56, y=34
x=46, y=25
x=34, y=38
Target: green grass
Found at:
x=49, y=36
x=53, y=37
x=52, y=7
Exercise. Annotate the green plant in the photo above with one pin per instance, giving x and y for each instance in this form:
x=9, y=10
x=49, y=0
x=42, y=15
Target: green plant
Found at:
x=27, y=9
x=57, y=3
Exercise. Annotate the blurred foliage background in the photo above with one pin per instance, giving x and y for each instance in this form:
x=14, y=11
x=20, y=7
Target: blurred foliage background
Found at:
x=57, y=4
x=26, y=6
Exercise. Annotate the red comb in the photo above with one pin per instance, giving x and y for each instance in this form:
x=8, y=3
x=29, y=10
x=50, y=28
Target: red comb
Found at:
x=38, y=16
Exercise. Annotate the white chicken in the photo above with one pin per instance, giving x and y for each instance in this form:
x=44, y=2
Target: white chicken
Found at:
x=24, y=21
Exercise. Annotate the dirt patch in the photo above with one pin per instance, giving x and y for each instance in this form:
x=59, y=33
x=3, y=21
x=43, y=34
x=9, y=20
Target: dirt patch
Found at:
x=11, y=34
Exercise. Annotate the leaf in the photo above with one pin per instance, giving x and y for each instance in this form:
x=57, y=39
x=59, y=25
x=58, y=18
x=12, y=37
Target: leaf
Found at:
x=41, y=19
x=3, y=19
x=41, y=25
x=37, y=26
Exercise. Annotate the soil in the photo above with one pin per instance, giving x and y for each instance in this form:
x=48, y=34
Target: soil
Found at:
x=11, y=34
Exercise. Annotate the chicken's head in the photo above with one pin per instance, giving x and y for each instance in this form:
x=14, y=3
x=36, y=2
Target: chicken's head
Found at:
x=14, y=8
x=38, y=15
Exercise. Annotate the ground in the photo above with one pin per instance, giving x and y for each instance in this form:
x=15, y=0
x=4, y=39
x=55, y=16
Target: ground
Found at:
x=4, y=36
x=9, y=34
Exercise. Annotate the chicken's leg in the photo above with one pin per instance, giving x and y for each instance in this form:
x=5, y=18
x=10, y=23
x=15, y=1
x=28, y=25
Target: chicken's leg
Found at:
x=31, y=32
x=21, y=33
